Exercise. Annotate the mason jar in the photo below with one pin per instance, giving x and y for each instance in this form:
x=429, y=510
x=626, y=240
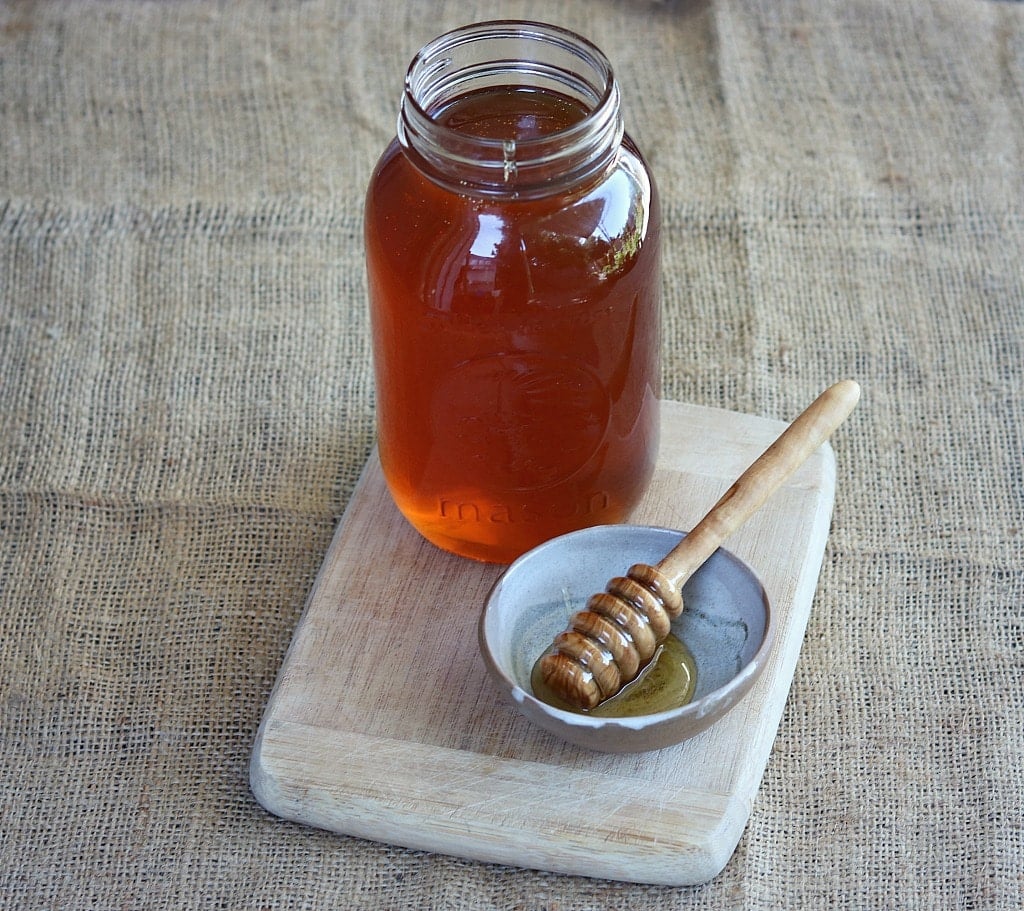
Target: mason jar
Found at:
x=512, y=248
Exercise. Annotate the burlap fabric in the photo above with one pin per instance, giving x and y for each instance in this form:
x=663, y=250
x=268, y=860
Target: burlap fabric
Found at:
x=186, y=401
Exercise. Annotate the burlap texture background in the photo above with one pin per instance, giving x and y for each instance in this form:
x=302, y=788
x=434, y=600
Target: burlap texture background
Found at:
x=186, y=402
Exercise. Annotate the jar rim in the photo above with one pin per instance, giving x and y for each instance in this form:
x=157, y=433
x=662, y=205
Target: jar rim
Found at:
x=530, y=29
x=445, y=68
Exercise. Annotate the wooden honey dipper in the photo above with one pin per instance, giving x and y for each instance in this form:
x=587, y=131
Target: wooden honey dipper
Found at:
x=609, y=642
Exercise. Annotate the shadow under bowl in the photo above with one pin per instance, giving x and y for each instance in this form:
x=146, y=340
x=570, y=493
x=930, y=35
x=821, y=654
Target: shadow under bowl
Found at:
x=726, y=623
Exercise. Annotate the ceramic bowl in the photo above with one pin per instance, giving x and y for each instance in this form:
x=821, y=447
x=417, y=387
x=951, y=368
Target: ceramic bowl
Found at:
x=727, y=625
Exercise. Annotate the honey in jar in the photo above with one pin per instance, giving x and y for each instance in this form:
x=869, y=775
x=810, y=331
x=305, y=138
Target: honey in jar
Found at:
x=512, y=244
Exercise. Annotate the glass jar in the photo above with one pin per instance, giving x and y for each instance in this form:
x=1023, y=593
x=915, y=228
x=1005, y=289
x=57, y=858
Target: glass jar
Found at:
x=512, y=244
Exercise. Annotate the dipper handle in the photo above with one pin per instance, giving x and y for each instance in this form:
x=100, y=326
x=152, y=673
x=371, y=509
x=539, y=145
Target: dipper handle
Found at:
x=606, y=645
x=766, y=475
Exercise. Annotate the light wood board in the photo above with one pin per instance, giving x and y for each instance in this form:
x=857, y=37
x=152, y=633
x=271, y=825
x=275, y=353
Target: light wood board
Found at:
x=383, y=723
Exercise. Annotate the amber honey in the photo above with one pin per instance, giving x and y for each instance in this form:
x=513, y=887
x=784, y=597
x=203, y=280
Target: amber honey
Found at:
x=515, y=329
x=667, y=682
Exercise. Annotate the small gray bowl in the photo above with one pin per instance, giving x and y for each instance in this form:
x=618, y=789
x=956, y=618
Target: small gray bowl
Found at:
x=727, y=625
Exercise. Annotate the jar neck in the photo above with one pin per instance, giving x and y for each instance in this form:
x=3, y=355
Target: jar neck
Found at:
x=510, y=55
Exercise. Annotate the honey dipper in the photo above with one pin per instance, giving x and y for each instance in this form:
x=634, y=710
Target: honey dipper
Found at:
x=611, y=640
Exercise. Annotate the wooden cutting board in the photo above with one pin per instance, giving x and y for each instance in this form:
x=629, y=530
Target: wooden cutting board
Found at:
x=383, y=722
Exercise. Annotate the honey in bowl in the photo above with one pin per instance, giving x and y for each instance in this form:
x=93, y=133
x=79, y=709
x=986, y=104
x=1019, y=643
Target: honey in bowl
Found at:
x=668, y=682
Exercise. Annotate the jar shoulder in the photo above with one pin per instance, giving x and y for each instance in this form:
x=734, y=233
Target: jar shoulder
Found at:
x=408, y=213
